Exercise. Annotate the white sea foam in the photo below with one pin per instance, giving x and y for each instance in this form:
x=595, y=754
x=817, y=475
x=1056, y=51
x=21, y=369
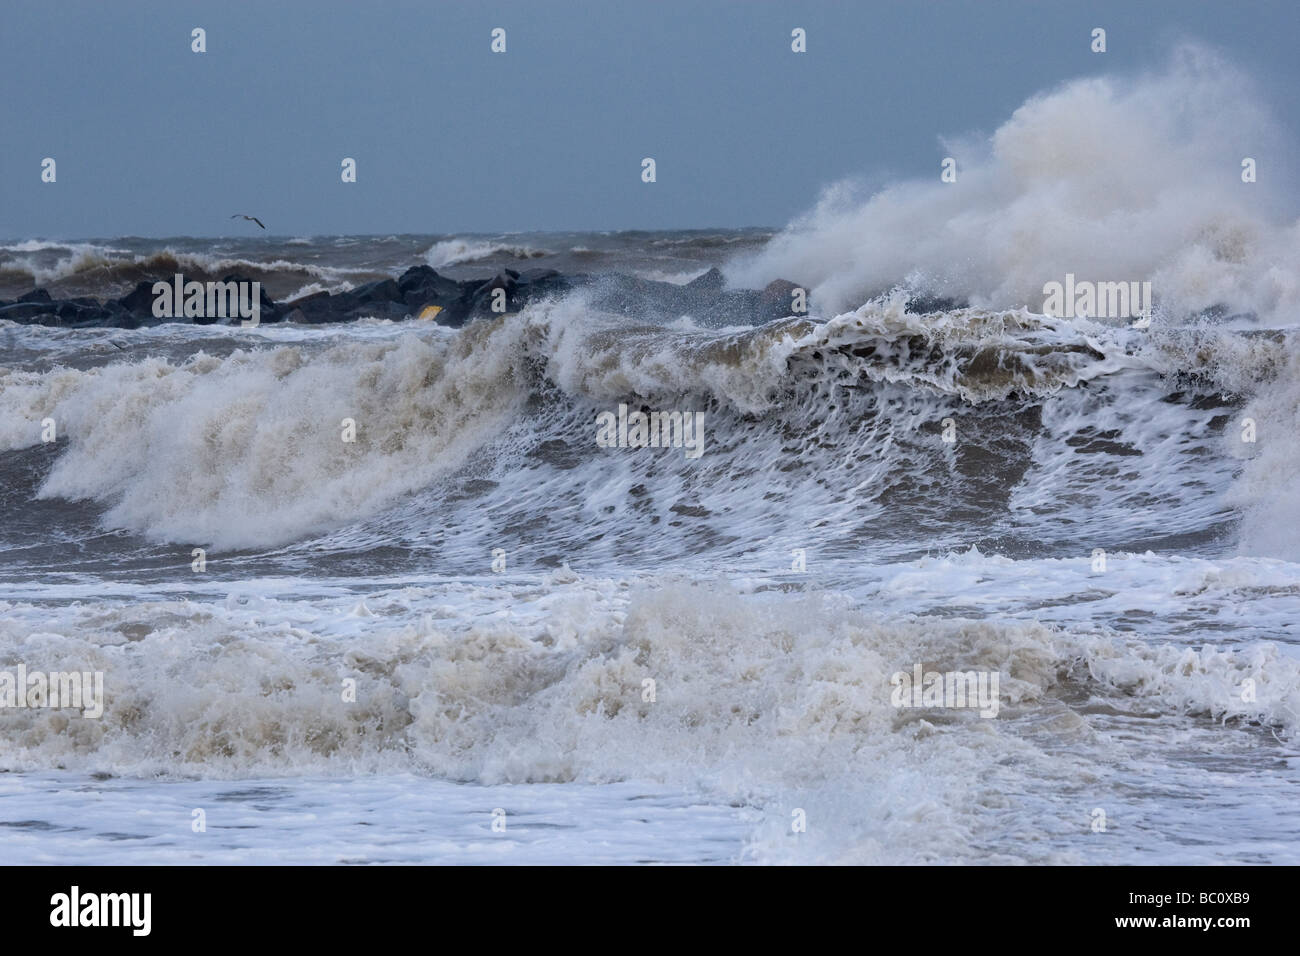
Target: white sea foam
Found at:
x=771, y=689
x=1268, y=492
x=451, y=252
x=1134, y=583
x=779, y=700
x=217, y=450
x=248, y=450
x=1105, y=178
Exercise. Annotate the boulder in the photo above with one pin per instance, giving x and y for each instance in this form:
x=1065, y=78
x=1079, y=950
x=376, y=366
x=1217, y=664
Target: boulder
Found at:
x=25, y=311
x=776, y=301
x=385, y=290
x=317, y=308
x=421, y=286
x=711, y=281
x=459, y=301
x=139, y=301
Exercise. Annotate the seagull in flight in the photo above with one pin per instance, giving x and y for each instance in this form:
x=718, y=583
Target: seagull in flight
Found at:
x=240, y=215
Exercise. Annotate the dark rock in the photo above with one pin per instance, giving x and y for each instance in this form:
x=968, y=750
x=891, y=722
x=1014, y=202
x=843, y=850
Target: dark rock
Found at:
x=381, y=310
x=385, y=290
x=139, y=301
x=459, y=301
x=536, y=284
x=421, y=286
x=71, y=310
x=780, y=290
x=317, y=308
x=454, y=317
x=268, y=310
x=711, y=281
x=702, y=300
x=505, y=279
x=485, y=295
x=312, y=301
x=25, y=311
x=921, y=304
x=320, y=307
x=776, y=301
x=417, y=277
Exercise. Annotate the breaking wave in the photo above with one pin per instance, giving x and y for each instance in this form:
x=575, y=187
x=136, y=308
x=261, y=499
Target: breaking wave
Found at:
x=451, y=252
x=1104, y=178
x=842, y=418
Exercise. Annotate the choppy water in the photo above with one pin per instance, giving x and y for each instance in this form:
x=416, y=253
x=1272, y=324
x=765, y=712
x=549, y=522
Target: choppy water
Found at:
x=1098, y=532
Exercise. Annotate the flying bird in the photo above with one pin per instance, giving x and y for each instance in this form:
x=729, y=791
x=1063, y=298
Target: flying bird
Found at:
x=240, y=215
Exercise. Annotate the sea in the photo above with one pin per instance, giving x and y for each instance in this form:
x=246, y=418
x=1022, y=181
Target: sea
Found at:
x=474, y=633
